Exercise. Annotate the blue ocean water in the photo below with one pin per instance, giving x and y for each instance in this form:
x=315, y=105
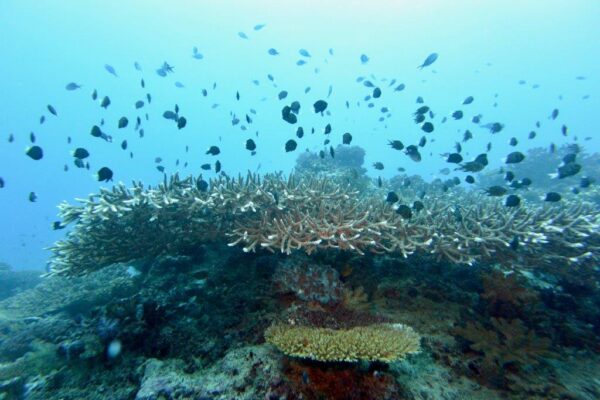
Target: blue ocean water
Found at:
x=485, y=49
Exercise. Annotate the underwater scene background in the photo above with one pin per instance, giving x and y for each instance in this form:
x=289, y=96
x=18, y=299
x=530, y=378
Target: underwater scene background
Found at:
x=299, y=200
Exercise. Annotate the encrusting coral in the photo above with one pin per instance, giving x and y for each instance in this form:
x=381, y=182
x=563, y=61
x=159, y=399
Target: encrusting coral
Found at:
x=309, y=214
x=378, y=342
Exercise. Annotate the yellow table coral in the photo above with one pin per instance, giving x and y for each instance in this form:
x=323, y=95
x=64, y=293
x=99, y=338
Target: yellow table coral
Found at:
x=380, y=342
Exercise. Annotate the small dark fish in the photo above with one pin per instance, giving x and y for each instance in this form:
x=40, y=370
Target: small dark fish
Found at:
x=482, y=159
x=72, y=86
x=468, y=100
x=321, y=154
x=400, y=87
x=454, y=158
x=282, y=95
x=413, y=152
x=149, y=98
x=567, y=170
x=80, y=153
x=205, y=167
x=196, y=54
x=423, y=141
x=512, y=200
x=258, y=27
x=79, y=163
x=554, y=113
x=123, y=122
x=105, y=102
x=472, y=166
x=378, y=165
x=11, y=138
x=242, y=35
x=327, y=129
x=331, y=152
x=531, y=135
x=396, y=144
x=139, y=104
x=346, y=138
x=111, y=70
x=585, y=182
x=160, y=168
x=32, y=197
x=379, y=182
x=569, y=158
x=513, y=141
x=564, y=130
x=213, y=150
x=376, y=93
x=509, y=176
x=300, y=132
x=56, y=225
x=35, y=152
x=320, y=106
x=404, y=211
x=422, y=110
x=427, y=127
x=290, y=145
x=52, y=110
x=300, y=62
x=170, y=115
x=250, y=145
x=419, y=118
x=514, y=158
x=551, y=197
x=1, y=183
x=494, y=127
x=32, y=137
x=368, y=84
x=124, y=144
x=304, y=53
x=418, y=205
x=104, y=174
x=217, y=167
x=94, y=95
x=458, y=147
x=429, y=60
x=495, y=191
x=476, y=119
x=392, y=197
x=469, y=179
x=137, y=66
x=288, y=115
x=295, y=107
x=364, y=59
x=273, y=52
x=181, y=122
x=143, y=83
x=457, y=114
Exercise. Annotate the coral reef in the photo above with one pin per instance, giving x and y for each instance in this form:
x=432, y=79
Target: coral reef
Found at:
x=384, y=342
x=310, y=214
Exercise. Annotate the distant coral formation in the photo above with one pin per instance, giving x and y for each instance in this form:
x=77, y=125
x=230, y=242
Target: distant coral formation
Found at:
x=307, y=213
x=379, y=342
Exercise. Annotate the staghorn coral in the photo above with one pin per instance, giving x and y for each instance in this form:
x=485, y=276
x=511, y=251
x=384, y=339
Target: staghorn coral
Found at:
x=310, y=214
x=378, y=342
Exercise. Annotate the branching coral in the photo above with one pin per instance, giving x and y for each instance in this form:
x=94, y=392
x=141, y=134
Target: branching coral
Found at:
x=508, y=342
x=382, y=342
x=307, y=213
